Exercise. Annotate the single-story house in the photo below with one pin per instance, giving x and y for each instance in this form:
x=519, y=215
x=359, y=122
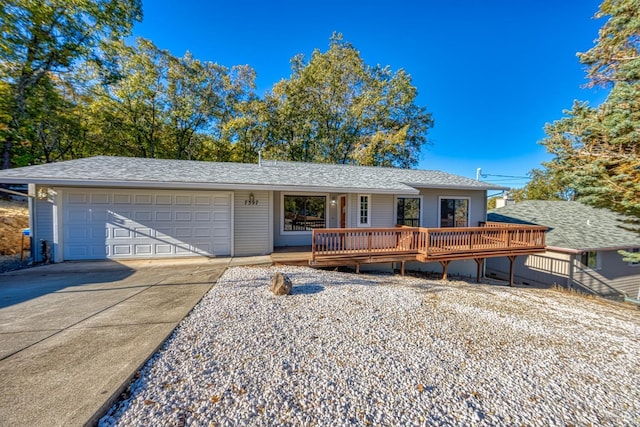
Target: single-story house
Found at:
x=121, y=207
x=582, y=247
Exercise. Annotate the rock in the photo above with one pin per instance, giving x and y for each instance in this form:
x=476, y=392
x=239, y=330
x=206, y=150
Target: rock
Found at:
x=280, y=284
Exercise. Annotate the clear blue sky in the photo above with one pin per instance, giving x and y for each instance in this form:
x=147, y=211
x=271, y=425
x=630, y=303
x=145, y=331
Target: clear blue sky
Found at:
x=491, y=72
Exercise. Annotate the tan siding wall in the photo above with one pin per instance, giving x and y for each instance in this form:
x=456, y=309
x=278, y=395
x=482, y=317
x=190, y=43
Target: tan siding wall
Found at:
x=382, y=210
x=252, y=225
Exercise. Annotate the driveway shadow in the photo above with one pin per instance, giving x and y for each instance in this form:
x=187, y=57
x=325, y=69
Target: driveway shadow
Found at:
x=24, y=285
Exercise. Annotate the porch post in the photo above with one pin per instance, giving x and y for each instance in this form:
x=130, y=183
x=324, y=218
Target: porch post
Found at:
x=479, y=263
x=445, y=267
x=512, y=259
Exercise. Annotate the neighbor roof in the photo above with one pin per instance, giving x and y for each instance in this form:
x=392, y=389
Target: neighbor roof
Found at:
x=104, y=171
x=573, y=225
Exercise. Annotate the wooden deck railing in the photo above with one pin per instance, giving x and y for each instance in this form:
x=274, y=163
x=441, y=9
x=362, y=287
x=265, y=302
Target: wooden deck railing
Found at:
x=437, y=243
x=427, y=244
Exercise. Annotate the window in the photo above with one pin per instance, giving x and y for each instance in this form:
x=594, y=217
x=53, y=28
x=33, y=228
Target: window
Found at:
x=454, y=212
x=408, y=211
x=364, y=210
x=304, y=213
x=589, y=259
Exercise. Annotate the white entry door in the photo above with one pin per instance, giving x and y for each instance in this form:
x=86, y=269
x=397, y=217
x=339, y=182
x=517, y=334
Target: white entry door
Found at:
x=99, y=224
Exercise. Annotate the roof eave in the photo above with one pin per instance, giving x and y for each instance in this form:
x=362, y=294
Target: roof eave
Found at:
x=202, y=185
x=459, y=187
x=598, y=249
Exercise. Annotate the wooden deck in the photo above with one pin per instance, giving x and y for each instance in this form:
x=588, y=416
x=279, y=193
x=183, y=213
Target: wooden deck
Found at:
x=350, y=246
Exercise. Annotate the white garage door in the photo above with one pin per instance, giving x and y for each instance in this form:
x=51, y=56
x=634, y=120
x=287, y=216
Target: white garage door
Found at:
x=100, y=224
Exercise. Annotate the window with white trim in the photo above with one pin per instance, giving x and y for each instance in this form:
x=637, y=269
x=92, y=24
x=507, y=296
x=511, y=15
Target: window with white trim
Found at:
x=303, y=212
x=364, y=210
x=454, y=212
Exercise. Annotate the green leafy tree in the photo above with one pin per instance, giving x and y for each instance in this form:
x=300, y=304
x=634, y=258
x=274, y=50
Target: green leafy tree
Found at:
x=597, y=149
x=54, y=124
x=544, y=184
x=45, y=38
x=334, y=108
x=130, y=112
x=158, y=105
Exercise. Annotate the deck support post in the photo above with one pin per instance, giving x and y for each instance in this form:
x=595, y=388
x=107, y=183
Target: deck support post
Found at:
x=357, y=268
x=512, y=259
x=402, y=268
x=479, y=263
x=445, y=267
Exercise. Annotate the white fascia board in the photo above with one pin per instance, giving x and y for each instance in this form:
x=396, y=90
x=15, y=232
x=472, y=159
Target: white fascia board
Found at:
x=459, y=187
x=208, y=186
x=580, y=251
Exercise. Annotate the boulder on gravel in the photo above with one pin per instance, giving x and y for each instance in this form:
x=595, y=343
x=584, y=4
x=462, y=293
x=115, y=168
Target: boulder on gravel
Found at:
x=280, y=284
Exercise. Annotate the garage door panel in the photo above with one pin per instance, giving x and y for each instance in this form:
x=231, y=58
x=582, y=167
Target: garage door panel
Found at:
x=143, y=249
x=202, y=232
x=164, y=199
x=143, y=199
x=203, y=200
x=122, y=199
x=183, y=200
x=121, y=224
x=163, y=249
x=100, y=215
x=143, y=215
x=100, y=199
x=163, y=216
x=184, y=232
x=121, y=233
x=183, y=216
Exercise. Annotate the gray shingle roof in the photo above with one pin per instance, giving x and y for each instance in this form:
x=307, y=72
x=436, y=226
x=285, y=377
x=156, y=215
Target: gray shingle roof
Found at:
x=130, y=172
x=573, y=225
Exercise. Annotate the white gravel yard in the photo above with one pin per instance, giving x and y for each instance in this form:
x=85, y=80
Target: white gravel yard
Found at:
x=348, y=349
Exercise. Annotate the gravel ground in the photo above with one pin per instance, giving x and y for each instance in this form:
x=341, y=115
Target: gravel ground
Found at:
x=349, y=349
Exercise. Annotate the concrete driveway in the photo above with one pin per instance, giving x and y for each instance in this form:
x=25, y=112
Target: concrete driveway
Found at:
x=72, y=334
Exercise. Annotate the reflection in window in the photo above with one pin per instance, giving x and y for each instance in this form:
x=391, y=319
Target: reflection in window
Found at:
x=454, y=212
x=589, y=259
x=408, y=211
x=304, y=213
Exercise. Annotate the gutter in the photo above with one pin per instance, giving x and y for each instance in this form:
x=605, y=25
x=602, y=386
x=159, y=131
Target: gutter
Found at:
x=204, y=186
x=16, y=193
x=581, y=251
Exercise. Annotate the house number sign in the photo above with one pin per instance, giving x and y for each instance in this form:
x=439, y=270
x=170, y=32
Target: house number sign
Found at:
x=251, y=201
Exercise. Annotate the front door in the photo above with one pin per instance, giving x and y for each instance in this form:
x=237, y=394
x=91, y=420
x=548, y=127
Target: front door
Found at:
x=343, y=212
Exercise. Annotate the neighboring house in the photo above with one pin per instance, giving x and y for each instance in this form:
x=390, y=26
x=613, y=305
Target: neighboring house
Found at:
x=582, y=247
x=118, y=207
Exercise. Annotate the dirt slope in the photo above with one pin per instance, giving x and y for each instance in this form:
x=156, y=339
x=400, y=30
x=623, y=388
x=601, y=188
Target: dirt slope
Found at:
x=14, y=216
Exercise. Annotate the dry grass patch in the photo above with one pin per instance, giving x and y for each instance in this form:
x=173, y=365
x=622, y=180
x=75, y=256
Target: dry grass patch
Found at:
x=14, y=216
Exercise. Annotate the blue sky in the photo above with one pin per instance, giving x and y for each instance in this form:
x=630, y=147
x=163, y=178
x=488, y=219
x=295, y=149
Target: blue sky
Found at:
x=491, y=72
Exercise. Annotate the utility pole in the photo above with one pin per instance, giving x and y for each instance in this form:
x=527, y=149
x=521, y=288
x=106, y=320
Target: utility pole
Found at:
x=478, y=172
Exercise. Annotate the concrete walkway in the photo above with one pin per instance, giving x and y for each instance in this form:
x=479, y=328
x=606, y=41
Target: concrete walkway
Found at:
x=72, y=335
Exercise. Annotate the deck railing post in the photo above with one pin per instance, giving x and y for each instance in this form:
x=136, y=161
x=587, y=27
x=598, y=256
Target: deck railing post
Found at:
x=313, y=244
